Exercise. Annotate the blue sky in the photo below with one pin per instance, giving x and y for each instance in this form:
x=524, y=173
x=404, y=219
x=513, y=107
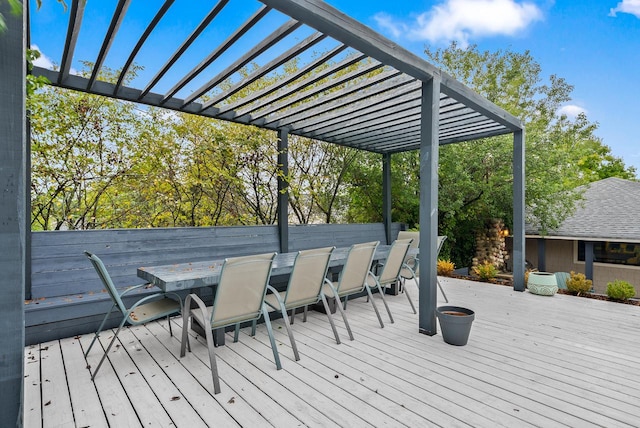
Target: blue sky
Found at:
x=593, y=44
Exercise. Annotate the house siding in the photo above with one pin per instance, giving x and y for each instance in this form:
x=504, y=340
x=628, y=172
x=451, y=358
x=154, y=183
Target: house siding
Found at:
x=561, y=256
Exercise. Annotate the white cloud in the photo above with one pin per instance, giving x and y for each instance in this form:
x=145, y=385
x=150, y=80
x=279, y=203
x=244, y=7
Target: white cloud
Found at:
x=571, y=111
x=43, y=61
x=627, y=6
x=391, y=25
x=462, y=20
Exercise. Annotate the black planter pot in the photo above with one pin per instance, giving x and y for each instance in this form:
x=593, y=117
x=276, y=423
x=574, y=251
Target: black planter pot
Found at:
x=455, y=323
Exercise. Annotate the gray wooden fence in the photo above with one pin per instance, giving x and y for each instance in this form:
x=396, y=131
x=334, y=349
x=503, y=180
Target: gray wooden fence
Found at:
x=67, y=297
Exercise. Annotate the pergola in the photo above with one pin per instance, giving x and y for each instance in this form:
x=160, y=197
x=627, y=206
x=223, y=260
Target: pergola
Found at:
x=362, y=91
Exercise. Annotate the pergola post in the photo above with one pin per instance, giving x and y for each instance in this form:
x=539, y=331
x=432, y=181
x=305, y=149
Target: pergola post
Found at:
x=283, y=190
x=386, y=196
x=428, y=206
x=542, y=254
x=588, y=259
x=518, y=211
x=13, y=216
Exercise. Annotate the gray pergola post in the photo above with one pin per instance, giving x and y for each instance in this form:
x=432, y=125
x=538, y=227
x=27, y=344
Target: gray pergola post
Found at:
x=283, y=190
x=518, y=211
x=386, y=196
x=429, y=141
x=542, y=254
x=13, y=217
x=588, y=259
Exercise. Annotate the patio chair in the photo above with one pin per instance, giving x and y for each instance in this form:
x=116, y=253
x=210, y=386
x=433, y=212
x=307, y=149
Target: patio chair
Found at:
x=353, y=278
x=304, y=288
x=561, y=279
x=391, y=269
x=411, y=270
x=239, y=297
x=149, y=308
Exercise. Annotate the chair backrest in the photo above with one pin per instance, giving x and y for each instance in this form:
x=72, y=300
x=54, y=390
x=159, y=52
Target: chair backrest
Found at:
x=106, y=280
x=414, y=236
x=403, y=234
x=307, y=277
x=561, y=279
x=241, y=289
x=354, y=273
x=441, y=240
x=395, y=259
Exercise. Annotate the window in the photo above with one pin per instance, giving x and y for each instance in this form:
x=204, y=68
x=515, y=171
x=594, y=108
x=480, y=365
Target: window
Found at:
x=619, y=253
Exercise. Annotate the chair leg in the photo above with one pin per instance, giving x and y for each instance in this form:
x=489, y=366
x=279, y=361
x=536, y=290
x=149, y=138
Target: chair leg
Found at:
x=381, y=291
x=115, y=336
x=328, y=311
x=169, y=322
x=375, y=308
x=287, y=325
x=274, y=347
x=406, y=292
x=304, y=314
x=236, y=333
x=292, y=316
x=254, y=323
x=184, y=340
x=442, y=291
x=104, y=320
x=212, y=361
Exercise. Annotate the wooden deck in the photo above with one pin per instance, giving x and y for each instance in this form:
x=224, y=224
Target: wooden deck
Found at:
x=530, y=361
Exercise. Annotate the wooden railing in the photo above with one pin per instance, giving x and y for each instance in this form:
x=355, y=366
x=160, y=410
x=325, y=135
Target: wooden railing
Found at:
x=67, y=297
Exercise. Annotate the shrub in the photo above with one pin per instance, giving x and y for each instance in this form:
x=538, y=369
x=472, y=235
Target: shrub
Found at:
x=578, y=284
x=486, y=271
x=445, y=267
x=620, y=290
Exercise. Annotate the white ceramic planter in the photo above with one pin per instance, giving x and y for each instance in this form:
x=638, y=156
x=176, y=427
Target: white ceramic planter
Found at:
x=543, y=283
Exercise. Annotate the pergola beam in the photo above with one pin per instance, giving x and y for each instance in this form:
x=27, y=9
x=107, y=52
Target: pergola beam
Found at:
x=184, y=46
x=75, y=21
x=116, y=21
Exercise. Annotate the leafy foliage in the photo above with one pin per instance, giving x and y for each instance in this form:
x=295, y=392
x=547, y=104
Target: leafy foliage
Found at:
x=485, y=271
x=445, y=267
x=620, y=290
x=578, y=284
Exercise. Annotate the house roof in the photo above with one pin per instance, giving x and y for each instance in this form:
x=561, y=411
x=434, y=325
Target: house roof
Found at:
x=353, y=87
x=610, y=212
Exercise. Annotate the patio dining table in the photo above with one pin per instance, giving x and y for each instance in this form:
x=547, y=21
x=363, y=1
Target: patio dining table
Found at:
x=200, y=274
x=184, y=276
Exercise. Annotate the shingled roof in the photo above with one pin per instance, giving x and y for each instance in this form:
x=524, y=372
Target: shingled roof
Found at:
x=610, y=212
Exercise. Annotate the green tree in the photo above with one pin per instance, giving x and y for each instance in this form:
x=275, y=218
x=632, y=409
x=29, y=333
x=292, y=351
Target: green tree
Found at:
x=561, y=153
x=81, y=146
x=317, y=174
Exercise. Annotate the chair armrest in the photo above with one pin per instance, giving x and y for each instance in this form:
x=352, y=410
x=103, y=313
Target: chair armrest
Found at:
x=275, y=293
x=135, y=287
x=375, y=279
x=201, y=306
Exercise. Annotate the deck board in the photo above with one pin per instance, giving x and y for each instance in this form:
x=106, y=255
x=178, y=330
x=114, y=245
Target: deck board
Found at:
x=87, y=409
x=56, y=407
x=557, y=361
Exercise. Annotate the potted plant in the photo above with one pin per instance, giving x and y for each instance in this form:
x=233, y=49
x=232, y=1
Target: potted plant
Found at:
x=543, y=283
x=455, y=323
